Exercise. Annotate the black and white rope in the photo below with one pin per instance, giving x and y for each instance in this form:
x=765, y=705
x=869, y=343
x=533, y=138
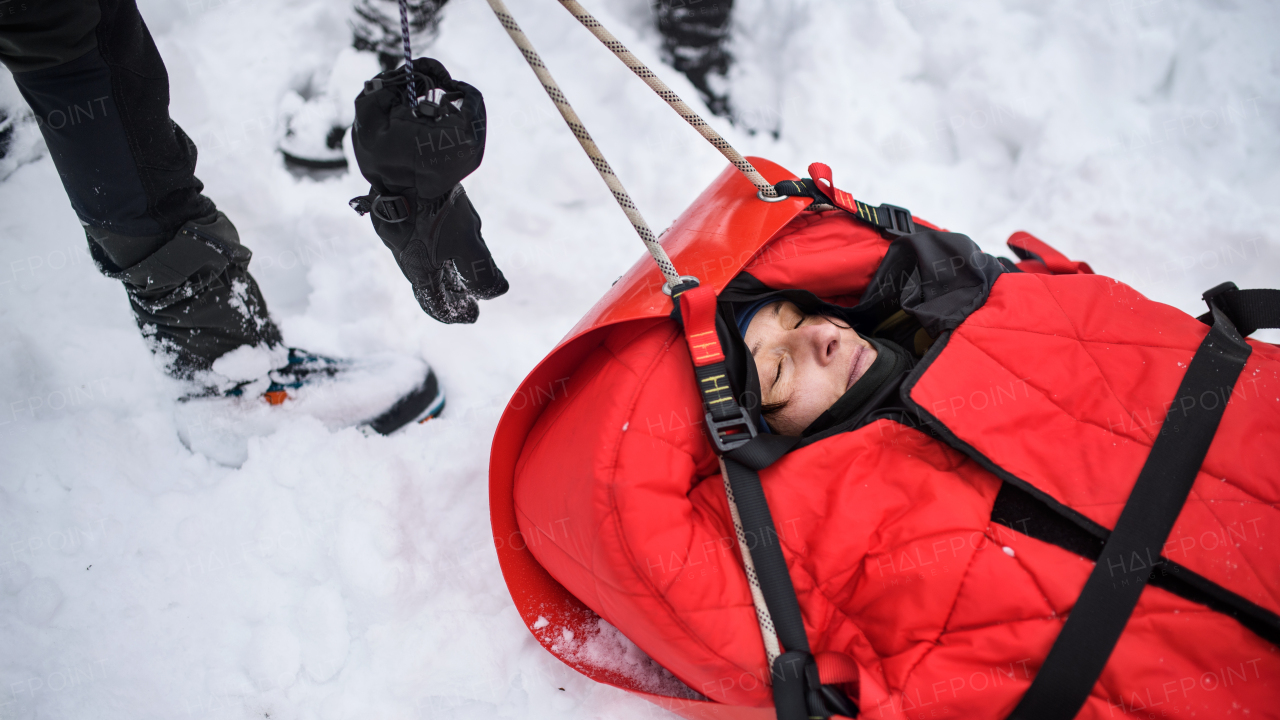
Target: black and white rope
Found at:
x=768, y=633
x=408, y=53
x=667, y=94
x=584, y=139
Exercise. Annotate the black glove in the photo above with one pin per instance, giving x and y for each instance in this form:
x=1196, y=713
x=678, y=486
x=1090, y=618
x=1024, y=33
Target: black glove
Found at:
x=414, y=159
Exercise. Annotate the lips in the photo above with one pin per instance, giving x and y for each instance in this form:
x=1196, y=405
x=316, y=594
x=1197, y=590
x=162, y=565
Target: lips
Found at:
x=863, y=357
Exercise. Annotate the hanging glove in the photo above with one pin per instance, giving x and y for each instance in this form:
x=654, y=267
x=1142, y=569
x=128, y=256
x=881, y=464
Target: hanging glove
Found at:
x=414, y=159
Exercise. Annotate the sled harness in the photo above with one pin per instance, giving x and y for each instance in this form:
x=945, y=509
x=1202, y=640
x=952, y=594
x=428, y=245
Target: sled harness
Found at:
x=1104, y=606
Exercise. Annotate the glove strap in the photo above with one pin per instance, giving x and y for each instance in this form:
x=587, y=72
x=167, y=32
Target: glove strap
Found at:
x=387, y=208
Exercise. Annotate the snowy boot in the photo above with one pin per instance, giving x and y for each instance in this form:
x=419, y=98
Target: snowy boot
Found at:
x=205, y=319
x=311, y=134
x=192, y=294
x=315, y=117
x=379, y=394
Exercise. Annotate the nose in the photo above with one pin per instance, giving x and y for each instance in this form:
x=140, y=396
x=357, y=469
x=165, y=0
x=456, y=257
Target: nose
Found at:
x=823, y=341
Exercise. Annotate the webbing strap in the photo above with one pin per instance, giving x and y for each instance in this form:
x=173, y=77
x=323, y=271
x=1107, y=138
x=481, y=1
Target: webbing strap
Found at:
x=889, y=219
x=797, y=688
x=729, y=424
x=1249, y=310
x=766, y=551
x=1081, y=650
x=789, y=685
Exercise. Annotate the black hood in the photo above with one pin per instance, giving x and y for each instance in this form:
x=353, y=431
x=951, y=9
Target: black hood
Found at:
x=938, y=278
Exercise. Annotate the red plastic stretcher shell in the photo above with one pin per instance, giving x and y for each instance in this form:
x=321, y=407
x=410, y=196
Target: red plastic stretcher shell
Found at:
x=713, y=240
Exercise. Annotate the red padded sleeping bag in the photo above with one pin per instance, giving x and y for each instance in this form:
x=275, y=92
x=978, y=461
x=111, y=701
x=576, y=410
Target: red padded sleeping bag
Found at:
x=1059, y=380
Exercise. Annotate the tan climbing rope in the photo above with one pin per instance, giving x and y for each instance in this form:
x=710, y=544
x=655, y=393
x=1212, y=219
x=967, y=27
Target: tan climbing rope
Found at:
x=766, y=191
x=669, y=95
x=588, y=145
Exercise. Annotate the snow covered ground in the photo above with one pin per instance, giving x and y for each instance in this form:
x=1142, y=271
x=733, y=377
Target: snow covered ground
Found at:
x=338, y=576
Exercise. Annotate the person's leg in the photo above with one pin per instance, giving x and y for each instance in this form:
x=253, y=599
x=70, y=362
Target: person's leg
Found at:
x=92, y=75
x=375, y=27
x=694, y=33
x=316, y=116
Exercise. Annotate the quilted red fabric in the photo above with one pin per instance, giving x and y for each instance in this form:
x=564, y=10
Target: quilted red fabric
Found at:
x=887, y=531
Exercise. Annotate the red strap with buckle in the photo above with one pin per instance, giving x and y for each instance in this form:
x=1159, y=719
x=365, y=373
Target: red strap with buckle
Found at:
x=698, y=309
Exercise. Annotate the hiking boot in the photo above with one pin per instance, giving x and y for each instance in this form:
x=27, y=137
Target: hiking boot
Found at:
x=379, y=394
x=312, y=134
x=315, y=117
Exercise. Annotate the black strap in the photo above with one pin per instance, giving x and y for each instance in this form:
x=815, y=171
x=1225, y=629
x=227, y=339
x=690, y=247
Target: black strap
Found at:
x=1078, y=656
x=798, y=693
x=766, y=549
x=1248, y=310
x=388, y=208
x=1019, y=510
x=891, y=220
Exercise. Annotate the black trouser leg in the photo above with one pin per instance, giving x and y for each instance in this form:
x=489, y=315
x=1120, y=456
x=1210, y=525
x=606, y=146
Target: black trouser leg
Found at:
x=375, y=26
x=92, y=75
x=693, y=39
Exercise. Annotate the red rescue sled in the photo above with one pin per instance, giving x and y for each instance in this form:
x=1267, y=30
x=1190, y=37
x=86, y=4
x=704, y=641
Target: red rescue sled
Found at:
x=714, y=239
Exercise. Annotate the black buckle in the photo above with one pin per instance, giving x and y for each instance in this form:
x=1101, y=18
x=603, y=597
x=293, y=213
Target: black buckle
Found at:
x=1210, y=298
x=1217, y=290
x=899, y=220
x=726, y=441
x=392, y=209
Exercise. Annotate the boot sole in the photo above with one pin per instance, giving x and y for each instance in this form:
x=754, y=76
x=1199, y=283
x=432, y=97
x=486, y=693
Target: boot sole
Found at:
x=420, y=405
x=313, y=164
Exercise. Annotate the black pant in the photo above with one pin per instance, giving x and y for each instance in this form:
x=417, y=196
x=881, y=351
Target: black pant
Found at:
x=694, y=33
x=95, y=81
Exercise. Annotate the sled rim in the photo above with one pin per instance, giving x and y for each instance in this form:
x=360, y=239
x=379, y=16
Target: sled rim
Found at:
x=720, y=232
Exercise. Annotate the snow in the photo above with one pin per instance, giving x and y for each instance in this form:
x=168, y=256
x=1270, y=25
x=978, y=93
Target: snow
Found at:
x=248, y=362
x=336, y=575
x=606, y=647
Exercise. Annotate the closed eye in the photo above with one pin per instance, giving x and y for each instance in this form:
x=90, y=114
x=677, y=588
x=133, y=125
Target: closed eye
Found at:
x=778, y=375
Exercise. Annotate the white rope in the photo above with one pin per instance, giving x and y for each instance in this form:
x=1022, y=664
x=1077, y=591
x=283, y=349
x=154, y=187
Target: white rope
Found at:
x=584, y=139
x=767, y=632
x=666, y=93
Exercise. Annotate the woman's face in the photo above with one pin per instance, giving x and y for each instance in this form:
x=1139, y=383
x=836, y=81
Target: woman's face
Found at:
x=805, y=363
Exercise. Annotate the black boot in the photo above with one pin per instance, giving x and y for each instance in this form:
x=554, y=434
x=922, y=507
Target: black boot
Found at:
x=193, y=296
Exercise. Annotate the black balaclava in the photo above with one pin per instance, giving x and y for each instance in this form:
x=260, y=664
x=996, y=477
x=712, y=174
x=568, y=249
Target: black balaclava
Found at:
x=869, y=392
x=891, y=363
